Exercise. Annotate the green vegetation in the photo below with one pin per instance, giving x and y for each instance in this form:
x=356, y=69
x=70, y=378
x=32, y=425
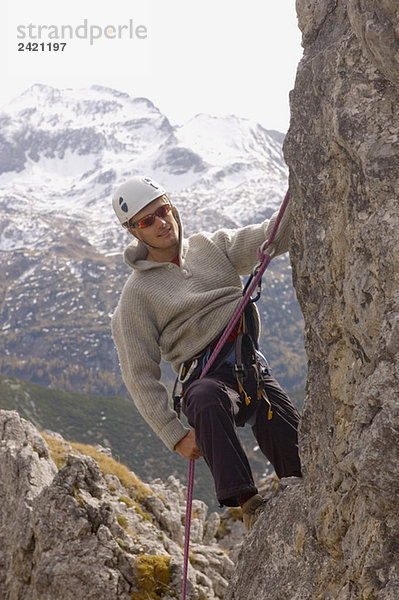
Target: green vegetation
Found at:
x=145, y=515
x=122, y=520
x=153, y=576
x=59, y=450
x=108, y=465
x=77, y=495
x=127, y=501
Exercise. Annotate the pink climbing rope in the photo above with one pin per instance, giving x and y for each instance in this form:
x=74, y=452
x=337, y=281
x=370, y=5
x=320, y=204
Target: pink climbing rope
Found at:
x=189, y=504
x=264, y=260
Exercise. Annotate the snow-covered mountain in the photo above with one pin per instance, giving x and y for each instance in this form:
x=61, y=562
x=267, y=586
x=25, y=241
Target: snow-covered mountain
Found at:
x=62, y=153
x=66, y=150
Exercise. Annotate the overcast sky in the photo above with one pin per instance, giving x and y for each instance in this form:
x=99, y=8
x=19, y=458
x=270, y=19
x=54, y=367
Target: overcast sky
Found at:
x=218, y=57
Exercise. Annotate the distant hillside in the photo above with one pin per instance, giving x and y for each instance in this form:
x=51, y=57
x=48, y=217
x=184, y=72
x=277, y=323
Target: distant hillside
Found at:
x=113, y=422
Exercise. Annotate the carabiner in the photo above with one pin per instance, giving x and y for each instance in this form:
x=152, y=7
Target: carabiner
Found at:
x=184, y=376
x=258, y=289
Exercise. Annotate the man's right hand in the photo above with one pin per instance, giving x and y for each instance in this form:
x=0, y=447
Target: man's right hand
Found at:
x=187, y=447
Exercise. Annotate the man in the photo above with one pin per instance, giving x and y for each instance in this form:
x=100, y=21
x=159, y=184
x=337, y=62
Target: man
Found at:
x=179, y=298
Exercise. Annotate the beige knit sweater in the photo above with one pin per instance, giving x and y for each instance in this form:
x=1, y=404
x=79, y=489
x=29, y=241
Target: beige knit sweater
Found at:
x=172, y=312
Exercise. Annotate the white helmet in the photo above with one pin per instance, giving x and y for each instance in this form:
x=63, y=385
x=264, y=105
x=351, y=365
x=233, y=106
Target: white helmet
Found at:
x=134, y=195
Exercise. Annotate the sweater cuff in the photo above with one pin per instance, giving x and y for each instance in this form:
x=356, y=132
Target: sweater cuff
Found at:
x=172, y=433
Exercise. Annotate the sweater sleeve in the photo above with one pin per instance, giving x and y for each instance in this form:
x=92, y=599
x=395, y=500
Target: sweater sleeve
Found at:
x=136, y=340
x=241, y=245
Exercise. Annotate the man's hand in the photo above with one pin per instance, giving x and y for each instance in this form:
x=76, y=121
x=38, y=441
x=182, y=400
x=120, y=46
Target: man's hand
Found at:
x=187, y=448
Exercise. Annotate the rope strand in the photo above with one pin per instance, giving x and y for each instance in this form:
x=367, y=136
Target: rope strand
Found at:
x=189, y=504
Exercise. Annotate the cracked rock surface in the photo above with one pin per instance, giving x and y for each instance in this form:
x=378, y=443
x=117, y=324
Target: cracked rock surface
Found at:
x=79, y=533
x=336, y=536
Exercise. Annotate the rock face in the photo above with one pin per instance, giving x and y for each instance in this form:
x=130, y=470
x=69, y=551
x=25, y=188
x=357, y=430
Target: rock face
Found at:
x=337, y=535
x=83, y=532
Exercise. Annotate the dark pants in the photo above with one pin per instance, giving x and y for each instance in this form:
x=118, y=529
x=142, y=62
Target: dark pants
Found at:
x=213, y=406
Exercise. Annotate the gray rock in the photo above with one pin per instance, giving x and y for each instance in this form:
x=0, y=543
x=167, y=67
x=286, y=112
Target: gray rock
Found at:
x=78, y=533
x=337, y=535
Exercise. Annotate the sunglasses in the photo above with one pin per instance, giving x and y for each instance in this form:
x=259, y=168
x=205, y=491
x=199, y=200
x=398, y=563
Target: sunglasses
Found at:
x=149, y=220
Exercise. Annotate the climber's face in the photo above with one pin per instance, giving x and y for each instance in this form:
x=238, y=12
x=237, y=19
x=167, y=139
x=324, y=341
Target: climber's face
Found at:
x=156, y=225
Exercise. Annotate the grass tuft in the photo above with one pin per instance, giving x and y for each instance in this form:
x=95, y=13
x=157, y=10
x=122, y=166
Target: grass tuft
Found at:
x=59, y=450
x=153, y=576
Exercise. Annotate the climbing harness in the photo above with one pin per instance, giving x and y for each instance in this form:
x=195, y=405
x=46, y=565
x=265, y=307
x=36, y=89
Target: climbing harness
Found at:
x=253, y=283
x=250, y=367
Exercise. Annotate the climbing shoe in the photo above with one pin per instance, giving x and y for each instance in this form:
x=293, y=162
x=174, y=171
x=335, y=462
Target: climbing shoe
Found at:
x=251, y=510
